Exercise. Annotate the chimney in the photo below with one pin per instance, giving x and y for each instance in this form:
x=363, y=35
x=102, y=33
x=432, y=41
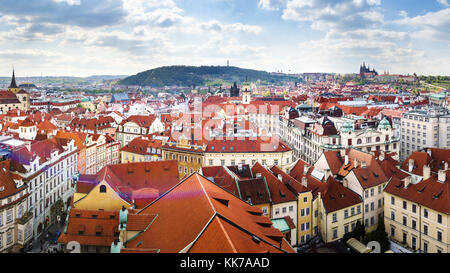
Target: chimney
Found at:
x=346, y=160
x=345, y=182
x=240, y=167
x=426, y=172
x=407, y=181
x=363, y=164
x=356, y=163
x=304, y=182
x=258, y=175
x=280, y=177
x=28, y=145
x=446, y=166
x=343, y=152
x=410, y=165
x=442, y=176
x=382, y=156
x=305, y=169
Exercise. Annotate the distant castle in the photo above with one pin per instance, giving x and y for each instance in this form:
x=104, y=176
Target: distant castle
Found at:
x=366, y=71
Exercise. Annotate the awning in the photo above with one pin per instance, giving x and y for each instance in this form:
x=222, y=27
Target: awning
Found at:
x=358, y=246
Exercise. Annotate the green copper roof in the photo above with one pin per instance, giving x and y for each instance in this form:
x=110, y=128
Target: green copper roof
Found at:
x=281, y=224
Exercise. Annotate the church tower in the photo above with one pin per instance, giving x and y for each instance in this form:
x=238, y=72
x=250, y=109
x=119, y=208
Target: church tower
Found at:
x=13, y=86
x=246, y=92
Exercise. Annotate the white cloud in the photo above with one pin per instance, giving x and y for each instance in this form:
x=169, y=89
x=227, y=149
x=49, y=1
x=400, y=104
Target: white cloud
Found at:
x=432, y=25
x=444, y=2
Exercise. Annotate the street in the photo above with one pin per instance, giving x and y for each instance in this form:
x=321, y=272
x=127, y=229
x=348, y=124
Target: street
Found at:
x=43, y=243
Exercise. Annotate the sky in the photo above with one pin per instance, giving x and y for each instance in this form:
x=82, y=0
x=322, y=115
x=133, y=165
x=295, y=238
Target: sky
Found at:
x=124, y=37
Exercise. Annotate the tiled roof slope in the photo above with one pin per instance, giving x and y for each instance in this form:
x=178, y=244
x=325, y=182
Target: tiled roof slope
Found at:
x=199, y=216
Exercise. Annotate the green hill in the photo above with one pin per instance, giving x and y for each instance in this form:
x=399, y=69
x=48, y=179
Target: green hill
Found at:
x=202, y=76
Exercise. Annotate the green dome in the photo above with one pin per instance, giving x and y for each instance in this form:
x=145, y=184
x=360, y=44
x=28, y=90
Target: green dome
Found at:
x=347, y=127
x=384, y=124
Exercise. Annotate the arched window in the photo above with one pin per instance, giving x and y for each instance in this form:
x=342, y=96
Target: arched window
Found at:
x=359, y=141
x=377, y=139
x=103, y=189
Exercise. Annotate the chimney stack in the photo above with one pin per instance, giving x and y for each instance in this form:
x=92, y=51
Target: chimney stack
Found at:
x=426, y=172
x=363, y=164
x=410, y=165
x=382, y=156
x=407, y=181
x=305, y=169
x=446, y=166
x=304, y=182
x=345, y=182
x=356, y=163
x=280, y=177
x=442, y=176
x=346, y=161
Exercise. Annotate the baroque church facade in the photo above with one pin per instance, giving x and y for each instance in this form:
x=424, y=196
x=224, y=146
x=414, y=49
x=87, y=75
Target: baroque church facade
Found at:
x=14, y=98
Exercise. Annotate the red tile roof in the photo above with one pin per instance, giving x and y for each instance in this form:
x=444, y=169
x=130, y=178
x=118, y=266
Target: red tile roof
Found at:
x=429, y=193
x=199, y=216
x=91, y=227
x=278, y=190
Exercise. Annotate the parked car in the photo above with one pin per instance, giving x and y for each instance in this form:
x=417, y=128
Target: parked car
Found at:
x=55, y=236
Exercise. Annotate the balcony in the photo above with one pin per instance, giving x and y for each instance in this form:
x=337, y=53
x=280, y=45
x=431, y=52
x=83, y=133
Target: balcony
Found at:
x=25, y=219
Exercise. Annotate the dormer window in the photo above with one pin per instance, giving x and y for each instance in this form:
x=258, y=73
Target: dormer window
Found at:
x=102, y=189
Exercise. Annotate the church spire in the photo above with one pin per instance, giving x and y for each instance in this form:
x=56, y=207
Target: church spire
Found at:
x=13, y=81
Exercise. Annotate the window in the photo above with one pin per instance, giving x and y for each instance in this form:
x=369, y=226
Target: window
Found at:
x=346, y=213
x=358, y=209
x=9, y=216
x=392, y=231
x=425, y=247
x=413, y=224
x=405, y=206
x=103, y=189
x=210, y=162
x=334, y=217
x=405, y=238
x=414, y=208
x=335, y=233
x=439, y=236
x=372, y=221
x=284, y=210
x=425, y=213
x=392, y=215
x=425, y=229
x=372, y=206
x=367, y=208
x=392, y=200
x=277, y=211
x=439, y=218
x=405, y=221
x=353, y=211
x=305, y=199
x=291, y=208
x=9, y=237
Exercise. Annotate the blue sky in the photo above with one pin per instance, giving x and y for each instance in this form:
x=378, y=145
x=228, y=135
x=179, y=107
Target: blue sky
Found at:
x=87, y=37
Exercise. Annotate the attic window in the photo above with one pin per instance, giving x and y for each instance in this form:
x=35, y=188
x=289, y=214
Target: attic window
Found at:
x=78, y=215
x=421, y=190
x=94, y=216
x=437, y=195
x=256, y=239
x=103, y=189
x=222, y=201
x=364, y=177
x=112, y=217
x=375, y=174
x=332, y=197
